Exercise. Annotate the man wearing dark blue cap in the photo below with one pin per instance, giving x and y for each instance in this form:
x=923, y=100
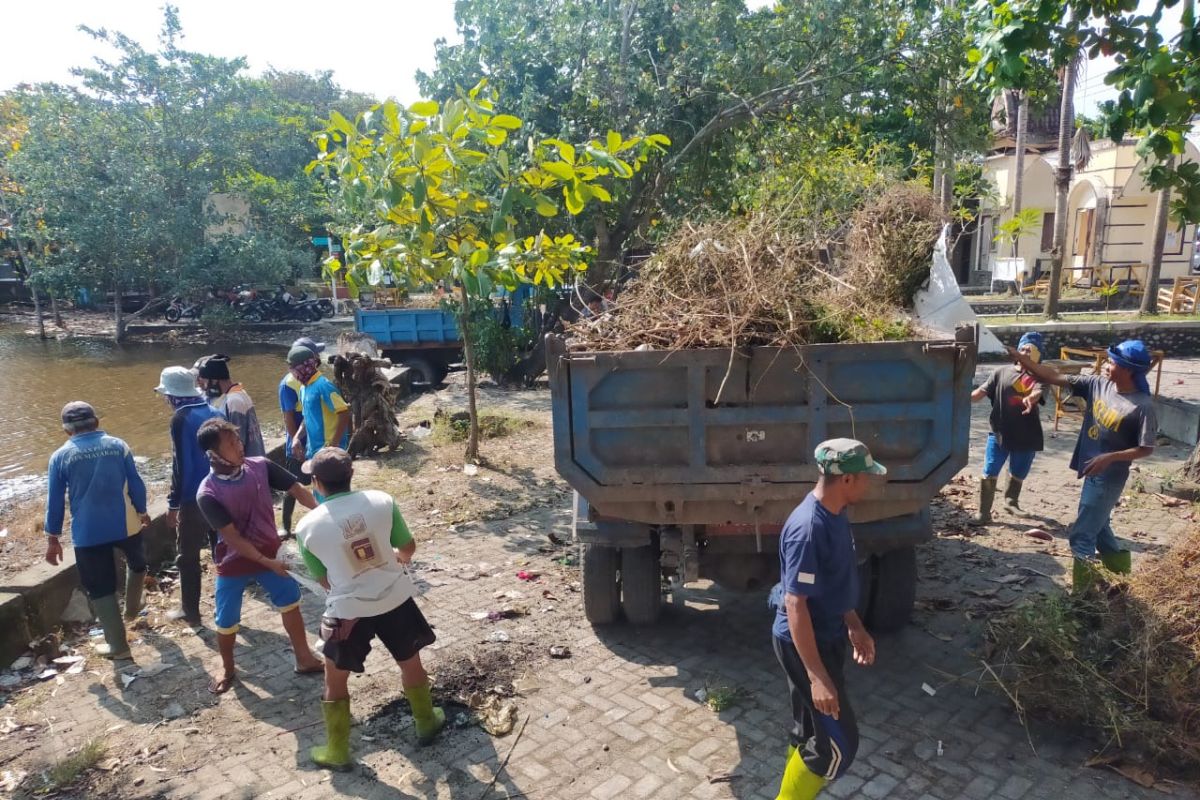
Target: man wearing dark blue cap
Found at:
x=1119, y=427
x=1016, y=435
x=97, y=472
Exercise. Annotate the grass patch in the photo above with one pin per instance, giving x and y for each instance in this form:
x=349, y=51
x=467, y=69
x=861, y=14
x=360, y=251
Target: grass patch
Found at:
x=1035, y=317
x=456, y=428
x=1121, y=661
x=66, y=771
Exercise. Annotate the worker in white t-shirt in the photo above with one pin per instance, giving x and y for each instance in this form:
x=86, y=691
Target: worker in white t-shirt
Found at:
x=356, y=545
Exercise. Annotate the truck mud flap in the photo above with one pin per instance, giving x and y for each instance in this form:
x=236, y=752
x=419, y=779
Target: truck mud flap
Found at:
x=607, y=533
x=894, y=533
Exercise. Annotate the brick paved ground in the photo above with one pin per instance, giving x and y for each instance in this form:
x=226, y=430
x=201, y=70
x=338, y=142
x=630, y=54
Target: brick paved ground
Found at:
x=618, y=719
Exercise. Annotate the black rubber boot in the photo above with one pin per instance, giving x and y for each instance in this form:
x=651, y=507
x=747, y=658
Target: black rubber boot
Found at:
x=135, y=584
x=115, y=646
x=987, y=496
x=1012, y=493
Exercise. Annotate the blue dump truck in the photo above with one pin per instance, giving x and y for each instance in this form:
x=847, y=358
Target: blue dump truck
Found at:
x=427, y=340
x=686, y=463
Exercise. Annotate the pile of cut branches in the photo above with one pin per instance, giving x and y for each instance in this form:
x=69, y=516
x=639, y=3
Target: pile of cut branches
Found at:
x=370, y=395
x=754, y=281
x=1122, y=662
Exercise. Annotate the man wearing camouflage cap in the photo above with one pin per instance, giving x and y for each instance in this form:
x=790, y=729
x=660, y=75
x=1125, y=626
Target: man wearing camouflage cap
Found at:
x=819, y=575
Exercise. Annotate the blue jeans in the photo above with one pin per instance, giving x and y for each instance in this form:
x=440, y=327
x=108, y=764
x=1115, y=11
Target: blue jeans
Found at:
x=1019, y=461
x=1092, y=530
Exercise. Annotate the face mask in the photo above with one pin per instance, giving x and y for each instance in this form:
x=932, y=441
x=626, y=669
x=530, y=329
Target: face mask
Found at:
x=304, y=372
x=212, y=390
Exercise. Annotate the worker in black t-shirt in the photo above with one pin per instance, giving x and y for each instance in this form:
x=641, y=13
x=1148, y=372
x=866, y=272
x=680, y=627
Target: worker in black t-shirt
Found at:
x=1016, y=435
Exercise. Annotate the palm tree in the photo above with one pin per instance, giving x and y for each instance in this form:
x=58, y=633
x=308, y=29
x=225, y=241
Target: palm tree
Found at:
x=1150, y=293
x=1062, y=180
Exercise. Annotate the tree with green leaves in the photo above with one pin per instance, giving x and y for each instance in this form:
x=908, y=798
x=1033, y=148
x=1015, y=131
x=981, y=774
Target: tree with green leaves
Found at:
x=118, y=176
x=705, y=74
x=445, y=192
x=1157, y=80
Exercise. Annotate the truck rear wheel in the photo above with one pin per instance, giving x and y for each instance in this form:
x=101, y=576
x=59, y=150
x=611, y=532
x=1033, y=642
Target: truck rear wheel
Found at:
x=895, y=592
x=601, y=590
x=641, y=584
x=426, y=372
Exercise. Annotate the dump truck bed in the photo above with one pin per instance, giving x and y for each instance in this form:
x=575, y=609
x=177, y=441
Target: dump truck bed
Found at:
x=714, y=437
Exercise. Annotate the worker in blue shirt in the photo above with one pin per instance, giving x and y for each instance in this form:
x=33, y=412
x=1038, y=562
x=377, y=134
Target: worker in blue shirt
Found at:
x=293, y=416
x=819, y=576
x=97, y=472
x=189, y=466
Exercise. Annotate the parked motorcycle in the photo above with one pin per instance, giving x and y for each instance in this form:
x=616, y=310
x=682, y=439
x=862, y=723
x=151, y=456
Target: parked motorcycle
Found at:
x=256, y=310
x=324, y=304
x=302, y=311
x=182, y=309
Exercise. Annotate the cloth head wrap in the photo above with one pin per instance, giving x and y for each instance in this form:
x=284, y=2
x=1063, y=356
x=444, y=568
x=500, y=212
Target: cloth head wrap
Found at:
x=1132, y=355
x=1034, y=340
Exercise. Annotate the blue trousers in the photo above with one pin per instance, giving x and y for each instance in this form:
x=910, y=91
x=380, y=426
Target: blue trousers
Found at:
x=1019, y=461
x=1092, y=530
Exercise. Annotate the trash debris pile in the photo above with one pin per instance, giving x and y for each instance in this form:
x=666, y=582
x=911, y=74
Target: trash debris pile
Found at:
x=1122, y=660
x=477, y=688
x=755, y=280
x=371, y=396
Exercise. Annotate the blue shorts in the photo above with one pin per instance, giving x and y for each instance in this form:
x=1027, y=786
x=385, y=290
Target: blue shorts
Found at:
x=283, y=591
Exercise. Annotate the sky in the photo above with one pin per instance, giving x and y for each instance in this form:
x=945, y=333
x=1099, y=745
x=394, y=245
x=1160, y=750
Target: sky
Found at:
x=42, y=42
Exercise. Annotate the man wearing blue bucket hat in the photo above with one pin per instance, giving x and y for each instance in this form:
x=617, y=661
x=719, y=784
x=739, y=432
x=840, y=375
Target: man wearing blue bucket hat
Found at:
x=1016, y=435
x=1119, y=427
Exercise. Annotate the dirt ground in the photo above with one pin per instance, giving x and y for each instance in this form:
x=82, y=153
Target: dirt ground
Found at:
x=618, y=717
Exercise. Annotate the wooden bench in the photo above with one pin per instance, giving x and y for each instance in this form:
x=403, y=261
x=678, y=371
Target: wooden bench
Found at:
x=1180, y=298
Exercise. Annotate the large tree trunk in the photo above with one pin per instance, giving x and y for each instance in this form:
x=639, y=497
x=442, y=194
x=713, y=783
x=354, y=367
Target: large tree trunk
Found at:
x=1150, y=295
x=1062, y=182
x=1019, y=166
x=37, y=311
x=1191, y=468
x=118, y=316
x=464, y=326
x=28, y=265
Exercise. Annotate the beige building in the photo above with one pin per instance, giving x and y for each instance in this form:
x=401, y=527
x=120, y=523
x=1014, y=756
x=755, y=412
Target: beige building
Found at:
x=1110, y=217
x=229, y=215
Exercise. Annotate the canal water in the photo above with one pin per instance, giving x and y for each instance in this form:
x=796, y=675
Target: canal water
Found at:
x=38, y=377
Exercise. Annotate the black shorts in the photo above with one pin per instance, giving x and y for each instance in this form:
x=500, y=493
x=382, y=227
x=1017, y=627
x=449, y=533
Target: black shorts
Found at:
x=403, y=631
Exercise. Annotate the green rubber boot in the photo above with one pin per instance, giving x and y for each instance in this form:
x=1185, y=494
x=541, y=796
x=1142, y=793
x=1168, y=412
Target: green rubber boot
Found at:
x=1083, y=575
x=335, y=753
x=1120, y=562
x=135, y=583
x=987, y=496
x=1012, y=493
x=115, y=646
x=799, y=782
x=428, y=720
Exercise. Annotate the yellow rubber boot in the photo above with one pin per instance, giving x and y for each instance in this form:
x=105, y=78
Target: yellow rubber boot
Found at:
x=427, y=718
x=799, y=782
x=335, y=754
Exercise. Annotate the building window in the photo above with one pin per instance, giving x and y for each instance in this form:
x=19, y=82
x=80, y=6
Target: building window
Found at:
x=1047, y=231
